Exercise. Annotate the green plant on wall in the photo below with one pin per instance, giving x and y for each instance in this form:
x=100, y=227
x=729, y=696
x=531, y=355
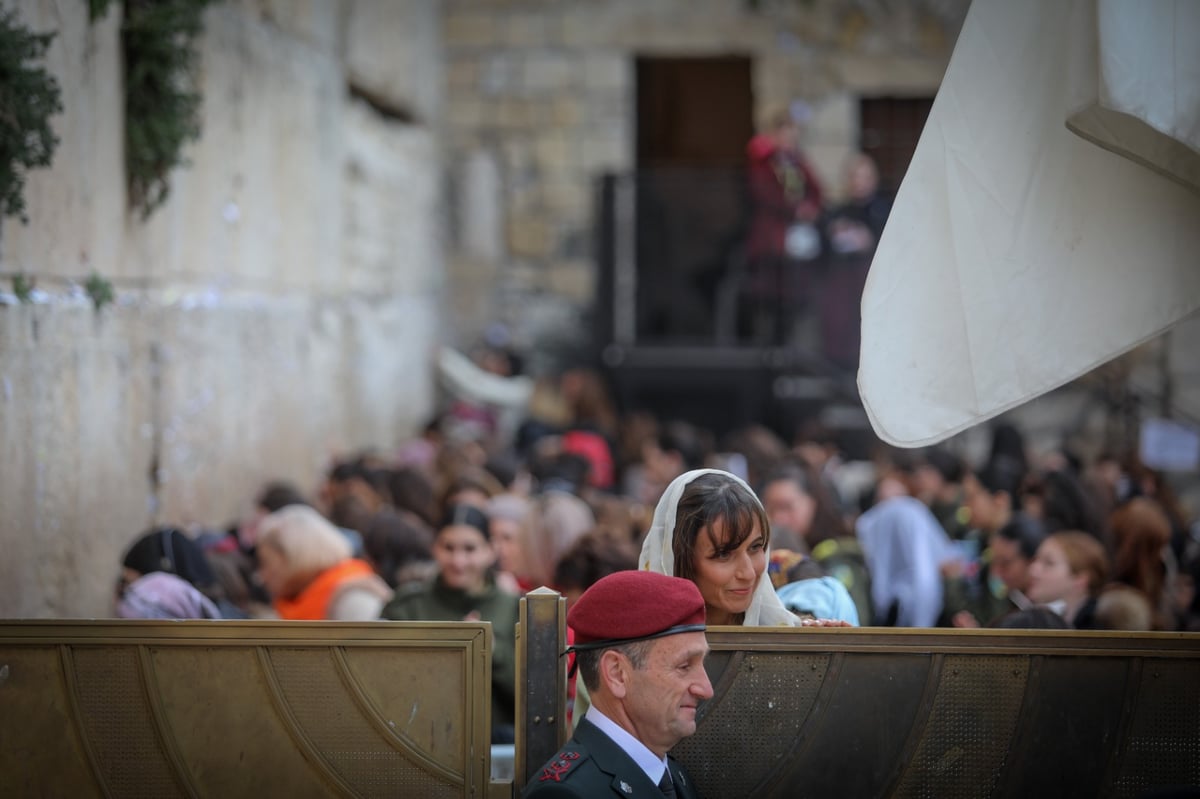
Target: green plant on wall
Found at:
x=100, y=290
x=23, y=286
x=29, y=96
x=162, y=104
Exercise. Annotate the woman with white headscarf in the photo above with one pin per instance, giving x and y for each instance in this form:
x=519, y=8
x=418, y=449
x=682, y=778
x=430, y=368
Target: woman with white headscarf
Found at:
x=710, y=528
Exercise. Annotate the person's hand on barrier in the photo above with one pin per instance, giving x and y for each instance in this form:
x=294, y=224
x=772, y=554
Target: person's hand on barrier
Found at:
x=824, y=623
x=965, y=620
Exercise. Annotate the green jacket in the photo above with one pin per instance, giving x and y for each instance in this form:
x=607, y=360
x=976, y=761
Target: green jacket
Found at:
x=438, y=602
x=592, y=765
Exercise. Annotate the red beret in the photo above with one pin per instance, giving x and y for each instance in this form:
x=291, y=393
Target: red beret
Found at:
x=634, y=606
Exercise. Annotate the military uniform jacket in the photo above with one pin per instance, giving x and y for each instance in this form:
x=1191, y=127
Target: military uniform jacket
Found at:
x=592, y=765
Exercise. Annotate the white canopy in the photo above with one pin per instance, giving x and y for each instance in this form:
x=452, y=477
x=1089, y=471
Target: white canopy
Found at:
x=1050, y=219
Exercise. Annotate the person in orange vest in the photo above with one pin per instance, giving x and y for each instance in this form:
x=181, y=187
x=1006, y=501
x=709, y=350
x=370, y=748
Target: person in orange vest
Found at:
x=306, y=566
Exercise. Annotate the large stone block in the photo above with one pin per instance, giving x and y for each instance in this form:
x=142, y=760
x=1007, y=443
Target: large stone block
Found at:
x=313, y=21
x=538, y=28
x=548, y=72
x=76, y=207
x=530, y=236
x=607, y=71
x=553, y=151
x=472, y=28
x=479, y=211
x=75, y=407
x=394, y=51
x=500, y=74
x=260, y=202
x=462, y=74
x=573, y=280
x=882, y=75
x=392, y=208
x=519, y=115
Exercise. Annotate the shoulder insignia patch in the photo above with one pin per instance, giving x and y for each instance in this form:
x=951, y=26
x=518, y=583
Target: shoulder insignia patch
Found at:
x=559, y=767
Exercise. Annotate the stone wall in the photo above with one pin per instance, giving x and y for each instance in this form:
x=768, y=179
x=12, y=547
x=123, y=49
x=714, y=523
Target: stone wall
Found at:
x=540, y=101
x=279, y=309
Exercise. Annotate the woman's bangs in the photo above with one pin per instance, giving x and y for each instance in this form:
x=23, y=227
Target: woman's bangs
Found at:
x=738, y=521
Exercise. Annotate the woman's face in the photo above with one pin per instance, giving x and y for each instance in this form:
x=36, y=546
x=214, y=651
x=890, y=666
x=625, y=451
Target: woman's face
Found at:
x=1050, y=577
x=463, y=557
x=727, y=578
x=1009, y=565
x=506, y=540
x=789, y=507
x=272, y=571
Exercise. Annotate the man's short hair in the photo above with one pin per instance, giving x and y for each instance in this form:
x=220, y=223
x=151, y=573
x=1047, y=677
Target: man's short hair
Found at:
x=588, y=660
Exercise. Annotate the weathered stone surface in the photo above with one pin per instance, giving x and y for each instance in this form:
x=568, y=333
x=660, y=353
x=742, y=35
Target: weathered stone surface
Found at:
x=479, y=209
x=75, y=405
x=553, y=151
x=394, y=50
x=607, y=71
x=530, y=236
x=311, y=21
x=279, y=308
x=547, y=72
x=391, y=206
x=573, y=280
x=472, y=28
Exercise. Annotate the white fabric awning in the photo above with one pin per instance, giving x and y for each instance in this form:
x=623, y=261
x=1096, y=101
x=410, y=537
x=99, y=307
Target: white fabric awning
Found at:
x=1020, y=254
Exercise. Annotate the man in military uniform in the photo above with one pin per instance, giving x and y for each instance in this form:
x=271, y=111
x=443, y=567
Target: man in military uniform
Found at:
x=640, y=649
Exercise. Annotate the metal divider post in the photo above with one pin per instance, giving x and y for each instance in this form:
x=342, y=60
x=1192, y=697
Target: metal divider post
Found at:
x=541, y=682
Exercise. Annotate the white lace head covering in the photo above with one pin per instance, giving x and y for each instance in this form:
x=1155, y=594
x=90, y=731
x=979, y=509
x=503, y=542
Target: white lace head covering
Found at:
x=658, y=554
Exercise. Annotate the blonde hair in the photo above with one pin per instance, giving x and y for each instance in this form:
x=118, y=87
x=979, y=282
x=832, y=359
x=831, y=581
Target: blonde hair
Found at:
x=1084, y=555
x=1124, y=608
x=775, y=116
x=308, y=542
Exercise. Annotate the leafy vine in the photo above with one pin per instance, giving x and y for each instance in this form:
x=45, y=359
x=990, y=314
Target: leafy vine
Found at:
x=29, y=97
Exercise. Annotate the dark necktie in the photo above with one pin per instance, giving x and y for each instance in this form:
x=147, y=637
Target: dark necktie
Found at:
x=666, y=786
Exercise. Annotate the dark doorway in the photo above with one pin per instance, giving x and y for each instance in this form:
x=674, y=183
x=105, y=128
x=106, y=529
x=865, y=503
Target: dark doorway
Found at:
x=891, y=128
x=694, y=117
x=693, y=112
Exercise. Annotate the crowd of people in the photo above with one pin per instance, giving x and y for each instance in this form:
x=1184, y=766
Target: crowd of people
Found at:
x=459, y=522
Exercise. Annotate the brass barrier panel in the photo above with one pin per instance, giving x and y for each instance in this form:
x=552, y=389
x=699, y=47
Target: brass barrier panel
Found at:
x=229, y=709
x=916, y=713
x=881, y=712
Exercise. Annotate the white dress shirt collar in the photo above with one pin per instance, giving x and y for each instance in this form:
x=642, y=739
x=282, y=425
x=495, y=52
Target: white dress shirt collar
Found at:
x=652, y=764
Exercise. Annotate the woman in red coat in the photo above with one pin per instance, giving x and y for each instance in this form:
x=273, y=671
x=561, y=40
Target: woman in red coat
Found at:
x=784, y=192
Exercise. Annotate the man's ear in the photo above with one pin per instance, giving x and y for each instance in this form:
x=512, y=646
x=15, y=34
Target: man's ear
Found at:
x=614, y=673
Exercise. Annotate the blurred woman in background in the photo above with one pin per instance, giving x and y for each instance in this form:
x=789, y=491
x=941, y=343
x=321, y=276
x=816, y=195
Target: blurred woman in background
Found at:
x=305, y=564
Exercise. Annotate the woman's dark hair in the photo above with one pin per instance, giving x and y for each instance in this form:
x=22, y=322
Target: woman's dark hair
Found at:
x=1038, y=617
x=276, y=495
x=169, y=549
x=1002, y=474
x=463, y=515
x=1067, y=506
x=594, y=556
x=395, y=539
x=413, y=491
x=687, y=440
x=1008, y=444
x=949, y=466
x=827, y=522
x=1026, y=532
x=709, y=499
